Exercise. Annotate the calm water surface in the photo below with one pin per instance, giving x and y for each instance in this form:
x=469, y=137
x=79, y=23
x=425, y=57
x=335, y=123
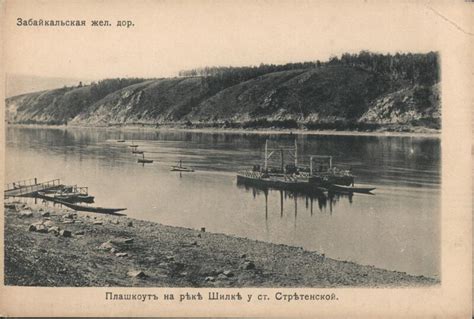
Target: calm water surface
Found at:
x=398, y=228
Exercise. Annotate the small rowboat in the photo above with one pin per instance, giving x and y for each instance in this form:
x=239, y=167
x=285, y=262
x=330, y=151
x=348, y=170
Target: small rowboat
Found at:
x=137, y=152
x=83, y=208
x=120, y=141
x=70, y=194
x=100, y=210
x=133, y=145
x=144, y=160
x=181, y=168
x=76, y=198
x=349, y=189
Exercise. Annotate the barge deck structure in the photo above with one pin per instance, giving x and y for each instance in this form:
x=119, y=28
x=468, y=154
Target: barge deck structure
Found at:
x=322, y=177
x=279, y=181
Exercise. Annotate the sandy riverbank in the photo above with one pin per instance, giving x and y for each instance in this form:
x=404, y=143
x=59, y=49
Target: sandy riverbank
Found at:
x=104, y=250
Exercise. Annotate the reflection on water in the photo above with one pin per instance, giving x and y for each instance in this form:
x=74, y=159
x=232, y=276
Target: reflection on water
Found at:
x=325, y=202
x=398, y=228
x=322, y=199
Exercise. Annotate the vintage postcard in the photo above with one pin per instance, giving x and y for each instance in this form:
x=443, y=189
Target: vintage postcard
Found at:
x=245, y=158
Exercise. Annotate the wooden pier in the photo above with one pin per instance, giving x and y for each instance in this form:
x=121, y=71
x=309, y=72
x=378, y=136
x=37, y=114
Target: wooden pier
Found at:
x=30, y=187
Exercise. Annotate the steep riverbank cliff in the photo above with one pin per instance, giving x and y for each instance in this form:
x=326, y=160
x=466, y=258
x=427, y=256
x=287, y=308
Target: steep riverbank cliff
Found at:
x=359, y=92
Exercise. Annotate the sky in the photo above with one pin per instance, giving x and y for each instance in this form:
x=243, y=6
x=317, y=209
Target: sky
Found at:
x=169, y=36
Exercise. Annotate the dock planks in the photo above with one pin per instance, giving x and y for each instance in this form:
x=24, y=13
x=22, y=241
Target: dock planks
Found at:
x=19, y=189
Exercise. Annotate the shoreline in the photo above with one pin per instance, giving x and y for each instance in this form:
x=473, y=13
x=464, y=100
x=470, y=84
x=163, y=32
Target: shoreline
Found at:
x=103, y=250
x=425, y=132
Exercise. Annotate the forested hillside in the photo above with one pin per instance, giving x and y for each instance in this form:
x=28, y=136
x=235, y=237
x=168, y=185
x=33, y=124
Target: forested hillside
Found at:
x=364, y=91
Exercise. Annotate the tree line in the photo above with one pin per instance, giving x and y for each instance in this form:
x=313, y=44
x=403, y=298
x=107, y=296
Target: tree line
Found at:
x=102, y=88
x=416, y=68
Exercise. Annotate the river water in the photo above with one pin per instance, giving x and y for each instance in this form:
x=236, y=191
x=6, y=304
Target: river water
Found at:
x=397, y=228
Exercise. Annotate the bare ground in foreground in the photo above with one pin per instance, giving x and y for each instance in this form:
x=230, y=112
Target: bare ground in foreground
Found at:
x=105, y=250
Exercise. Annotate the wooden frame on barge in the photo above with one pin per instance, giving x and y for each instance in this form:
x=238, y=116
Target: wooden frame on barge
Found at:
x=326, y=177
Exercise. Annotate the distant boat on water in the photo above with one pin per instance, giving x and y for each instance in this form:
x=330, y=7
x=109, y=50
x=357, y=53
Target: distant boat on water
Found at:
x=143, y=160
x=181, y=168
x=133, y=145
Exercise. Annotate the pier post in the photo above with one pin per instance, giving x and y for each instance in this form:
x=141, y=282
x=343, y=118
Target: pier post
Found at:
x=281, y=203
x=266, y=149
x=266, y=204
x=282, y=161
x=296, y=154
x=296, y=206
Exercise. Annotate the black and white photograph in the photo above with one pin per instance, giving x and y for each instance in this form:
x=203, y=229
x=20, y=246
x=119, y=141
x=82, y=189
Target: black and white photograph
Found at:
x=208, y=145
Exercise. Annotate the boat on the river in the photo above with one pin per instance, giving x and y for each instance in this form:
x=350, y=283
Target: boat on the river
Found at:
x=75, y=198
x=120, y=141
x=135, y=151
x=320, y=176
x=180, y=168
x=71, y=194
x=143, y=160
x=82, y=208
x=299, y=184
x=350, y=189
x=100, y=210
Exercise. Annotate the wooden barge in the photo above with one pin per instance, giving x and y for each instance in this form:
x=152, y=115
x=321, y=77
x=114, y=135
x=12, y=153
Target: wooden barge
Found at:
x=320, y=176
x=279, y=181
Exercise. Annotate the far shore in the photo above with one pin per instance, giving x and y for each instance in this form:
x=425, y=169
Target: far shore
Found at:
x=417, y=131
x=46, y=246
